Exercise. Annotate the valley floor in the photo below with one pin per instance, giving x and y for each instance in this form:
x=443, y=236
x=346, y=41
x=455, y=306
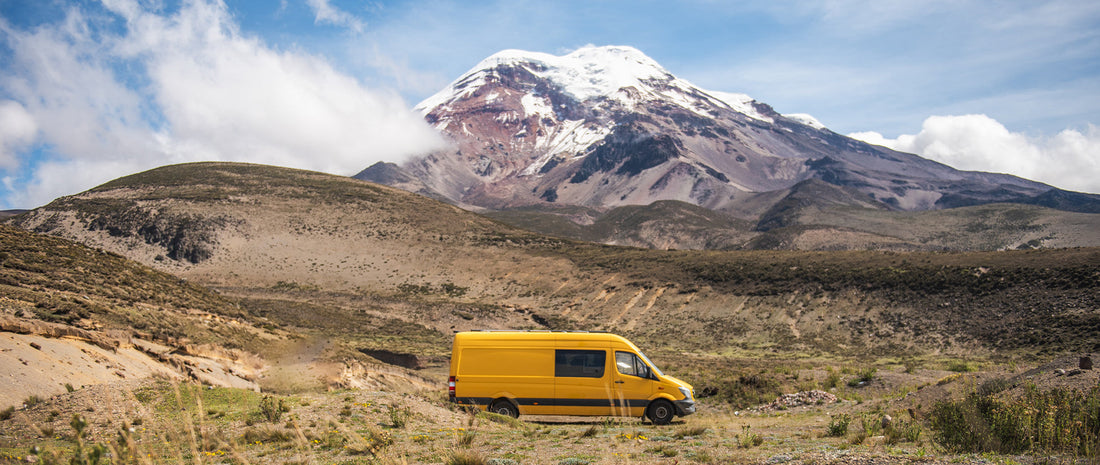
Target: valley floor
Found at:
x=159, y=420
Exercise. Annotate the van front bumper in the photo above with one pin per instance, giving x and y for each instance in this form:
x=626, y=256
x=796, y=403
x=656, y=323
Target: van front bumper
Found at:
x=685, y=407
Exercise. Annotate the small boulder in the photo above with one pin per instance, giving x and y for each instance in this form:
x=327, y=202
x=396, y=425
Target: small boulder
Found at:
x=1060, y=372
x=887, y=422
x=1085, y=363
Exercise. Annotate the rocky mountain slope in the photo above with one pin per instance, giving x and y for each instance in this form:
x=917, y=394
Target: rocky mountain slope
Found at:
x=605, y=127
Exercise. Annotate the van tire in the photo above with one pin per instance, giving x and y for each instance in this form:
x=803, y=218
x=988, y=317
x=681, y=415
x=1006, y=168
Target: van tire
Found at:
x=504, y=407
x=660, y=412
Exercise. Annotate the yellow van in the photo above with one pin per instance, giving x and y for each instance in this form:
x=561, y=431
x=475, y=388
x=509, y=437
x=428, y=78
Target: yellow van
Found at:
x=562, y=373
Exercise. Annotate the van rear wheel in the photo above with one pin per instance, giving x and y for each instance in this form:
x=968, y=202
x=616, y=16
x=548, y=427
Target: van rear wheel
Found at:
x=504, y=407
x=660, y=412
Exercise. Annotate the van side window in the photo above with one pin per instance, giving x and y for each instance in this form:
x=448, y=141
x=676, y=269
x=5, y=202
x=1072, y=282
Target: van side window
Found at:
x=629, y=364
x=579, y=363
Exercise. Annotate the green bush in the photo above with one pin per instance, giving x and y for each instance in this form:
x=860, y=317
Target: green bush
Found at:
x=1059, y=420
x=399, y=416
x=272, y=409
x=838, y=425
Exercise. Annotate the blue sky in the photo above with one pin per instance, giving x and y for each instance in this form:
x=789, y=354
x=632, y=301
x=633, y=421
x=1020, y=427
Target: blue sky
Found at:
x=91, y=90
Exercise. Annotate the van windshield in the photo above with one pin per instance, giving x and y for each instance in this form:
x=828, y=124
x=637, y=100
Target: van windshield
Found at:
x=651, y=365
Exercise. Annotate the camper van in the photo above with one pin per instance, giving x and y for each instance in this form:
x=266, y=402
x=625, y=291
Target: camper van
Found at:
x=562, y=373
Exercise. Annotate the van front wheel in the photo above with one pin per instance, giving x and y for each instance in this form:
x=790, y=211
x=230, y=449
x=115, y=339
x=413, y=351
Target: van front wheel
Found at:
x=660, y=412
x=504, y=407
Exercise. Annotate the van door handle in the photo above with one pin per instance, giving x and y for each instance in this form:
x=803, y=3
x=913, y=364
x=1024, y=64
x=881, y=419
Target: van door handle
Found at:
x=620, y=382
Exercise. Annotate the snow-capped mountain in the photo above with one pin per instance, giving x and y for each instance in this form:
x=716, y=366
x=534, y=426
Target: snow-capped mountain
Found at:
x=603, y=127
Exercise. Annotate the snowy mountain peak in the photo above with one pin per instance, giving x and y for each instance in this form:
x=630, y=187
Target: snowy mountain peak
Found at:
x=585, y=73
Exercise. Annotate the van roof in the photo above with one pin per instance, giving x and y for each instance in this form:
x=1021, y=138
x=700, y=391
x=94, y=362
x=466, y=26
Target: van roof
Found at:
x=540, y=336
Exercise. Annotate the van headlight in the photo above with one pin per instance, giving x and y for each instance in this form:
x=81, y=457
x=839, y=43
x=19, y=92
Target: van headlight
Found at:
x=687, y=393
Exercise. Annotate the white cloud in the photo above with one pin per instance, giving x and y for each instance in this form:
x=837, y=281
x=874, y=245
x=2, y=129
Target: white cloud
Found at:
x=1069, y=160
x=325, y=13
x=187, y=86
x=17, y=131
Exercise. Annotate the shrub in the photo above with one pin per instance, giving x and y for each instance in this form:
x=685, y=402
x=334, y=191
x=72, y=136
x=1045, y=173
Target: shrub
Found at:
x=900, y=430
x=399, y=416
x=838, y=425
x=7, y=413
x=272, y=409
x=747, y=438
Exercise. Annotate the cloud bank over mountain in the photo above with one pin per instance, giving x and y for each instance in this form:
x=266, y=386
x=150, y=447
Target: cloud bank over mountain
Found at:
x=104, y=93
x=1069, y=160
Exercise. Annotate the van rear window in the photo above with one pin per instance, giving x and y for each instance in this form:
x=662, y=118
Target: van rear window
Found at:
x=579, y=363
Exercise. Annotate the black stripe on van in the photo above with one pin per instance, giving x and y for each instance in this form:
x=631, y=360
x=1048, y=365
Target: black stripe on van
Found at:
x=558, y=402
x=585, y=402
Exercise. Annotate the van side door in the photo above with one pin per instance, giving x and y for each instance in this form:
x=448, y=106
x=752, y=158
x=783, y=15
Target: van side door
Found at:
x=582, y=385
x=633, y=384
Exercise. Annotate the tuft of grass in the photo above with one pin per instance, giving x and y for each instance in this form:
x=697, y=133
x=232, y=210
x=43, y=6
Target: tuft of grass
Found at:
x=591, y=431
x=7, y=413
x=692, y=432
x=266, y=433
x=460, y=457
x=465, y=439
x=664, y=450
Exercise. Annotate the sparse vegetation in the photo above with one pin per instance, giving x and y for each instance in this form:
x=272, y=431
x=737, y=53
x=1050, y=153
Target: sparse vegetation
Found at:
x=1058, y=421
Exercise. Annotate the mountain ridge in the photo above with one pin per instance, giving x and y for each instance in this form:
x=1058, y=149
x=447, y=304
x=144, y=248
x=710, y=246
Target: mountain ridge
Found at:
x=606, y=127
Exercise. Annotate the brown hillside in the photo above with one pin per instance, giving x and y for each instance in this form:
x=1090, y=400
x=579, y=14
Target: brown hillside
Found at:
x=291, y=244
